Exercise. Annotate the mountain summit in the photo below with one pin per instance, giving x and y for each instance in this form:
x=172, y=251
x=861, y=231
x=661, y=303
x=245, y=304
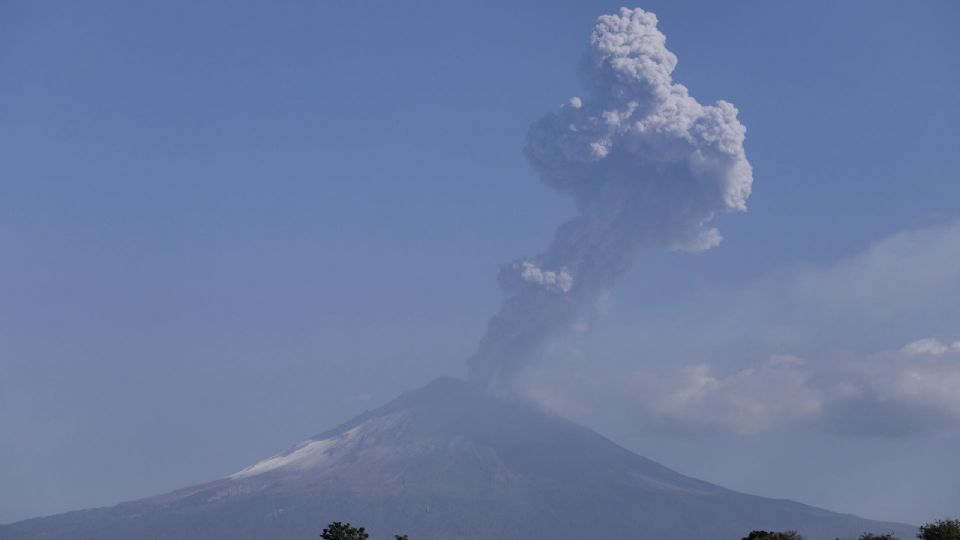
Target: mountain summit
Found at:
x=450, y=462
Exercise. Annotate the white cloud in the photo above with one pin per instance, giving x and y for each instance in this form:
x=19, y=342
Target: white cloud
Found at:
x=698, y=376
x=925, y=346
x=911, y=391
x=894, y=291
x=906, y=271
x=930, y=375
x=837, y=317
x=904, y=392
x=893, y=393
x=748, y=401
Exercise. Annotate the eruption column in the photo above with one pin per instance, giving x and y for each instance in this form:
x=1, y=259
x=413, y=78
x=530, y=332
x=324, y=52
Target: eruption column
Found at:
x=648, y=167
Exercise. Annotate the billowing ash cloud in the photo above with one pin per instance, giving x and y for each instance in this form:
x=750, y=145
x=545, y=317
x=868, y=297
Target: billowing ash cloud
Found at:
x=648, y=167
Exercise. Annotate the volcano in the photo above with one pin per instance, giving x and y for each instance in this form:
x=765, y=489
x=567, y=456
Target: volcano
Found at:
x=450, y=462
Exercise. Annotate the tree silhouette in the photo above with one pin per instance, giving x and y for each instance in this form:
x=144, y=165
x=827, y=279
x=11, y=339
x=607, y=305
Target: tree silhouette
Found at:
x=771, y=535
x=944, y=529
x=343, y=531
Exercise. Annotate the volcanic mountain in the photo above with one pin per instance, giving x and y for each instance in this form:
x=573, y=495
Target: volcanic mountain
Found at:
x=450, y=462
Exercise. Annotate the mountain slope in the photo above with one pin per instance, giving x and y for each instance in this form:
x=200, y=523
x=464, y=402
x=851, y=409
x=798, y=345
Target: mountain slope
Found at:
x=446, y=462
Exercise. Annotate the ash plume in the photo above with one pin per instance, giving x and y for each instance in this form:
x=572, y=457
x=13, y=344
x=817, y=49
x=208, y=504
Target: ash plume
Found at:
x=648, y=167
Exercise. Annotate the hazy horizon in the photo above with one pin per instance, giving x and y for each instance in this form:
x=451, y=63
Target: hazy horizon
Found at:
x=229, y=228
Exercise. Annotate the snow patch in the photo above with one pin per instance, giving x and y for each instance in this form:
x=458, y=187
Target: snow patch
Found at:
x=373, y=437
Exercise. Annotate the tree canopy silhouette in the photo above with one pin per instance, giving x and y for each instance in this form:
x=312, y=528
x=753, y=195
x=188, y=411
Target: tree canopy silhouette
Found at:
x=771, y=535
x=343, y=531
x=943, y=529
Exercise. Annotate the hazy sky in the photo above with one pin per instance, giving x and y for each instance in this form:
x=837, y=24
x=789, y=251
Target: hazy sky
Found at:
x=226, y=228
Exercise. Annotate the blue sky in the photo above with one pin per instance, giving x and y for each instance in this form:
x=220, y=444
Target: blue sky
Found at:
x=227, y=228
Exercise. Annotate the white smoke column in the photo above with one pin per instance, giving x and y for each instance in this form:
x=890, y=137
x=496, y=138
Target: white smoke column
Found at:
x=648, y=167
